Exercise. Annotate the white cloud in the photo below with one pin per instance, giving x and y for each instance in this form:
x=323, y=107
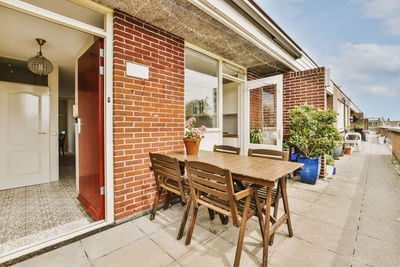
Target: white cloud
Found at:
x=386, y=10
x=368, y=69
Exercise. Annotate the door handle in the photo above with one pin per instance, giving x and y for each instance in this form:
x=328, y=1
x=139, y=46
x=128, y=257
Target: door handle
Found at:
x=42, y=133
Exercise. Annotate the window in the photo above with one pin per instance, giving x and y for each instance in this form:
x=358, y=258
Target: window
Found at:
x=201, y=88
x=263, y=108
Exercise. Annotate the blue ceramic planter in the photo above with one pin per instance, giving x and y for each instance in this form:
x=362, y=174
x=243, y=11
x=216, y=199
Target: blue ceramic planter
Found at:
x=309, y=173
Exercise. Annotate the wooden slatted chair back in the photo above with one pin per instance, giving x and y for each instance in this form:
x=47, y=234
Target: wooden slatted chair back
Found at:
x=227, y=149
x=212, y=187
x=269, y=153
x=167, y=169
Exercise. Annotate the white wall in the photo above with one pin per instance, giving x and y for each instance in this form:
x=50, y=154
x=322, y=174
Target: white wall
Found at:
x=212, y=137
x=230, y=98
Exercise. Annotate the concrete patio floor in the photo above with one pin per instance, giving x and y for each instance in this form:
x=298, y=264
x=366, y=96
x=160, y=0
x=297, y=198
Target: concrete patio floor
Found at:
x=350, y=220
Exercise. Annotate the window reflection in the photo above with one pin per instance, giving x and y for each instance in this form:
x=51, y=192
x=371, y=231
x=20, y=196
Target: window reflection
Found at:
x=201, y=88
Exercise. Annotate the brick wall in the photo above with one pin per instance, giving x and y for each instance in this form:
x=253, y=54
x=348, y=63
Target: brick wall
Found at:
x=396, y=144
x=263, y=107
x=148, y=114
x=329, y=102
x=300, y=88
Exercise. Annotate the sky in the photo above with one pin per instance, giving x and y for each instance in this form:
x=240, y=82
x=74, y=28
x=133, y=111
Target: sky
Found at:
x=359, y=40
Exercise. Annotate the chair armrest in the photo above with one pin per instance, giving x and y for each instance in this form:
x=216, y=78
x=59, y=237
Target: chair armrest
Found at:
x=244, y=193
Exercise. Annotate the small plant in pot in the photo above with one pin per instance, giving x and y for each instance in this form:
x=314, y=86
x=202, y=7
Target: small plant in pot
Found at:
x=337, y=151
x=313, y=134
x=193, y=136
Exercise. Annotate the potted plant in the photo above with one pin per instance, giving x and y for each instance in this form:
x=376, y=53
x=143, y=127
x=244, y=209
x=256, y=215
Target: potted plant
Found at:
x=313, y=134
x=193, y=136
x=337, y=151
x=256, y=136
x=285, y=145
x=330, y=165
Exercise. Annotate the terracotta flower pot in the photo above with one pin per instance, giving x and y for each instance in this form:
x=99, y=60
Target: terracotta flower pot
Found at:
x=192, y=145
x=347, y=150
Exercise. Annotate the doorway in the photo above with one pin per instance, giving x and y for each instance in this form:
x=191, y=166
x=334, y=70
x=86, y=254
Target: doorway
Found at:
x=263, y=111
x=40, y=175
x=231, y=115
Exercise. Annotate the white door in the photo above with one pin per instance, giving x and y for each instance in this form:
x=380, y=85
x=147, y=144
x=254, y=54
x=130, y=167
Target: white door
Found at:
x=263, y=114
x=24, y=135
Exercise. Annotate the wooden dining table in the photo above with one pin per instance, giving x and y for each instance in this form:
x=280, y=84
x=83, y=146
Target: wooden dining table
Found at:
x=255, y=170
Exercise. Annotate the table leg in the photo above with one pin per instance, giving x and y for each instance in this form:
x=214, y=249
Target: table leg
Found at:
x=266, y=226
x=286, y=206
x=276, y=207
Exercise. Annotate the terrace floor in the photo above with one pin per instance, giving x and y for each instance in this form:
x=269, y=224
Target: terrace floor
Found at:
x=350, y=220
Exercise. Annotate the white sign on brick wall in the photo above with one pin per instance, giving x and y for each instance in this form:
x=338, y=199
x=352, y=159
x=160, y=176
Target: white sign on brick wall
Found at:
x=136, y=70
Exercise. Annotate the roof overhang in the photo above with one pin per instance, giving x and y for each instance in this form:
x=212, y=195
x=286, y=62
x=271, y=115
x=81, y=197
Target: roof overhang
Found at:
x=354, y=108
x=231, y=30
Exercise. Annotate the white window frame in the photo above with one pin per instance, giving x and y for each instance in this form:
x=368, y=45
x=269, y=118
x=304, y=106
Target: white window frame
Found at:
x=276, y=80
x=107, y=34
x=221, y=76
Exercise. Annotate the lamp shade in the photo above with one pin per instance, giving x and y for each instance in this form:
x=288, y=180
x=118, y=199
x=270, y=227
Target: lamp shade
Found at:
x=39, y=64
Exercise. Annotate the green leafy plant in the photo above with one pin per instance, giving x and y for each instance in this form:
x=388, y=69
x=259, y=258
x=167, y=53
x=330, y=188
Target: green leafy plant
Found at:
x=312, y=131
x=256, y=136
x=285, y=145
x=329, y=160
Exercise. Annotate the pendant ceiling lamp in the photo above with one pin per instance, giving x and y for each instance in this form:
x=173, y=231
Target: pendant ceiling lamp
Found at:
x=39, y=64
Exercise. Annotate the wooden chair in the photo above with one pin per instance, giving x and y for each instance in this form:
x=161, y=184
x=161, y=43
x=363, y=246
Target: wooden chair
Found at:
x=212, y=187
x=276, y=192
x=167, y=174
x=227, y=149
x=269, y=153
x=61, y=142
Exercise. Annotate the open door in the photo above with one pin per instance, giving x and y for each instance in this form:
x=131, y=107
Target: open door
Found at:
x=90, y=126
x=263, y=111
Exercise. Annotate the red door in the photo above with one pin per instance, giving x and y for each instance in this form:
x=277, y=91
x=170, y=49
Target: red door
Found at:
x=91, y=133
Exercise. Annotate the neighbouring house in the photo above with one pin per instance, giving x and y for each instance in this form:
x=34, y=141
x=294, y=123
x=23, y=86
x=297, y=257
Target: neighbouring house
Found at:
x=125, y=76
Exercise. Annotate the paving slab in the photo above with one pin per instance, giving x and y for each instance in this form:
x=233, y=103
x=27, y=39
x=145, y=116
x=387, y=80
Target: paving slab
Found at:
x=115, y=238
x=143, y=252
x=68, y=256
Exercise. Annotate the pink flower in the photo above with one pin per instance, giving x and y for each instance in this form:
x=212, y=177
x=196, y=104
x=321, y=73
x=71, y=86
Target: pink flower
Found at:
x=190, y=121
x=196, y=133
x=204, y=128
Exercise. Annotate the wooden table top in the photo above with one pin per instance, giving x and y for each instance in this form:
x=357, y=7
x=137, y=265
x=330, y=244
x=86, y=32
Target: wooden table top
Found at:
x=253, y=169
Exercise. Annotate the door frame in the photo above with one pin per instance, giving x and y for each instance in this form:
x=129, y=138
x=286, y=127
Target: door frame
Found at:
x=272, y=80
x=107, y=35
